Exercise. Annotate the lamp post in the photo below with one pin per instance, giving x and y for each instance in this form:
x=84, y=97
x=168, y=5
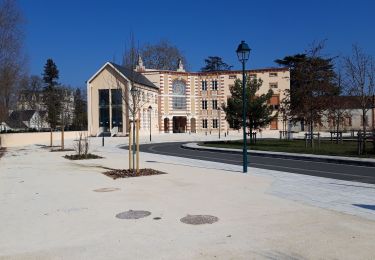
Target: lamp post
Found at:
x=149, y=110
x=243, y=52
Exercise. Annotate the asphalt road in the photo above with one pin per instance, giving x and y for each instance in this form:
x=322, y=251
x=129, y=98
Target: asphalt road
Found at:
x=322, y=169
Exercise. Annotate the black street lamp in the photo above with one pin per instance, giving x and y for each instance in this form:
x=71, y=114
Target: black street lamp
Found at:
x=243, y=52
x=149, y=110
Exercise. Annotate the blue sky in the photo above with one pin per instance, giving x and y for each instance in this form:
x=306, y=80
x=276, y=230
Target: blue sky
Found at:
x=81, y=35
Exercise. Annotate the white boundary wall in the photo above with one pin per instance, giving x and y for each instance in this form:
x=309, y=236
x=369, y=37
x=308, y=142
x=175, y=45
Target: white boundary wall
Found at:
x=23, y=139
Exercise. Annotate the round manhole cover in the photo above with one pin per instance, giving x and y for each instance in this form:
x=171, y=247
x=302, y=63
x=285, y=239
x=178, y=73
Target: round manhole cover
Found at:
x=199, y=219
x=106, y=189
x=133, y=214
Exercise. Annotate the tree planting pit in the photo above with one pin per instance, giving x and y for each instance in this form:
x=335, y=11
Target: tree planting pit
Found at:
x=199, y=219
x=133, y=214
x=125, y=173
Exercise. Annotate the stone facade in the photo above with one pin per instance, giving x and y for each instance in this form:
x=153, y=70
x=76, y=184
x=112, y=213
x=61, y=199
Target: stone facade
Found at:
x=181, y=101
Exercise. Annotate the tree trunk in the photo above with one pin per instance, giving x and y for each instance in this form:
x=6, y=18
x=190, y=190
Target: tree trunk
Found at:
x=133, y=156
x=51, y=138
x=337, y=128
x=364, y=131
x=312, y=135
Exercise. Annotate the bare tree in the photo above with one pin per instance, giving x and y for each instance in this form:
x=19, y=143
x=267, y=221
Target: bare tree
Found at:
x=11, y=57
x=318, y=82
x=132, y=93
x=82, y=144
x=360, y=75
x=284, y=109
x=162, y=55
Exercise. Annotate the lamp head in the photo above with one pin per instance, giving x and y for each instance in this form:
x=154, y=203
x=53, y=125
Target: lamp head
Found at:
x=243, y=51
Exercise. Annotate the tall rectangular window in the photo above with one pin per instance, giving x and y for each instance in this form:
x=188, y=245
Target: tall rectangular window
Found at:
x=204, y=85
x=116, y=98
x=104, y=108
x=214, y=85
x=214, y=104
x=204, y=104
x=214, y=123
x=204, y=123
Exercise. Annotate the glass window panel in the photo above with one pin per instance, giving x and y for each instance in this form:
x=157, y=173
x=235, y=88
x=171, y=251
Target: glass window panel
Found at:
x=116, y=97
x=103, y=97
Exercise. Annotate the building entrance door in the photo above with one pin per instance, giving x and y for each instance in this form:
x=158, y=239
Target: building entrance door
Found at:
x=179, y=124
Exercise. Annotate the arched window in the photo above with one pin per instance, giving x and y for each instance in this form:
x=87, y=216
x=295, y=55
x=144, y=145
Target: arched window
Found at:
x=179, y=94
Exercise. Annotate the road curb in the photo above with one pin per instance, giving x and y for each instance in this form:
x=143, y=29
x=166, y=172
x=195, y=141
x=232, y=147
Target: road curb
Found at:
x=304, y=157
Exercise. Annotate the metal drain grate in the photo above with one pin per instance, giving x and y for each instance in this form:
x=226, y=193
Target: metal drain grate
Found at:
x=199, y=219
x=133, y=214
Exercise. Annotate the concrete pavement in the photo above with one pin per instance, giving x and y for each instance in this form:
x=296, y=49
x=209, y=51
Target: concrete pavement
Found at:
x=50, y=211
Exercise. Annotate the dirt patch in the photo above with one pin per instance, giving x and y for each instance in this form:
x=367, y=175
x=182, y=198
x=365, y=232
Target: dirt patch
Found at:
x=82, y=156
x=62, y=150
x=42, y=146
x=125, y=173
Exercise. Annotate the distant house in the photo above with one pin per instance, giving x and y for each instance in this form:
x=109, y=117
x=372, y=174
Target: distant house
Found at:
x=33, y=100
x=351, y=117
x=23, y=120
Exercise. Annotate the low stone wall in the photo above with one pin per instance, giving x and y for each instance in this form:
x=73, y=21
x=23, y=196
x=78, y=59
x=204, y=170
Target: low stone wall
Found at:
x=22, y=139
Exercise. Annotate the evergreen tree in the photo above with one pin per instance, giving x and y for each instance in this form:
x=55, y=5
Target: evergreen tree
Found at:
x=80, y=111
x=312, y=82
x=51, y=94
x=259, y=112
x=311, y=77
x=215, y=63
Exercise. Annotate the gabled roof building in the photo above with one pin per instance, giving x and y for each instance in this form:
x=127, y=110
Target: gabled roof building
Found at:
x=181, y=101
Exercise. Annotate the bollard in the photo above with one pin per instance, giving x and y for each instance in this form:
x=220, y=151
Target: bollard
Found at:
x=103, y=139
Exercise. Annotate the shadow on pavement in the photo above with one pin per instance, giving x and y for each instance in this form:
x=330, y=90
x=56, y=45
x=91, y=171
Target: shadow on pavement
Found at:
x=181, y=164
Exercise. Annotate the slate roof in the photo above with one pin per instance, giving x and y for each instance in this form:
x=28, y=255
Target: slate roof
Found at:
x=133, y=75
x=16, y=118
x=22, y=115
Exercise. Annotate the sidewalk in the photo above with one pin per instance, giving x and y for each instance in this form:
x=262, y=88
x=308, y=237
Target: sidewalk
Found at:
x=298, y=156
x=49, y=210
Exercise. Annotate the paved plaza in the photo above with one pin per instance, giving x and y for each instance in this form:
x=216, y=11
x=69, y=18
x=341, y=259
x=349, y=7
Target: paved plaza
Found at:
x=53, y=208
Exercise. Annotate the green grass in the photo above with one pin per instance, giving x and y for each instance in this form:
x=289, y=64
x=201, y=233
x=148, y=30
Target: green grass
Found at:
x=347, y=148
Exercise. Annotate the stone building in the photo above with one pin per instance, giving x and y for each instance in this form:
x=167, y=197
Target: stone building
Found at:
x=181, y=101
